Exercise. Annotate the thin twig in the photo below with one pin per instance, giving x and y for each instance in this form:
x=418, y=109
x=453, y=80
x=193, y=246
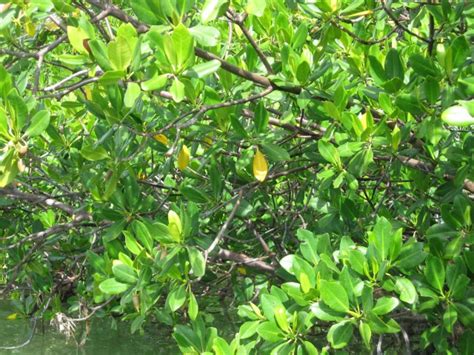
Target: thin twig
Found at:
x=389, y=12
x=225, y=225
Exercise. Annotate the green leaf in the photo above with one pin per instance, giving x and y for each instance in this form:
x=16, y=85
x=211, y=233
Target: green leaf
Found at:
x=340, y=334
x=270, y=331
x=131, y=243
x=221, y=347
x=299, y=37
x=124, y=273
x=119, y=53
x=155, y=83
x=275, y=152
x=457, y=116
x=194, y=194
x=431, y=89
x=261, y=118
x=212, y=9
x=198, y=263
x=358, y=261
x=183, y=47
x=174, y=225
x=329, y=153
x=113, y=287
x=143, y=11
x=111, y=77
x=461, y=50
x=177, y=91
x=378, y=326
x=39, y=122
x=382, y=238
x=193, y=307
x=20, y=110
x=203, y=69
x=409, y=103
x=176, y=298
x=435, y=273
x=334, y=295
x=376, y=71
x=360, y=162
x=143, y=234
x=393, y=65
x=281, y=318
x=332, y=110
x=256, y=7
x=205, y=36
x=308, y=246
x=248, y=329
x=423, y=66
x=411, y=255
x=94, y=153
x=406, y=290
x=450, y=317
x=385, y=305
x=132, y=94
x=366, y=334
x=99, y=52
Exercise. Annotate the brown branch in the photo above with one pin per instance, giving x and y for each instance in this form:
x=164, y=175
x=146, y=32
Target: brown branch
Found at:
x=46, y=233
x=142, y=28
x=45, y=201
x=431, y=38
x=245, y=260
x=390, y=14
x=239, y=21
x=226, y=224
x=361, y=40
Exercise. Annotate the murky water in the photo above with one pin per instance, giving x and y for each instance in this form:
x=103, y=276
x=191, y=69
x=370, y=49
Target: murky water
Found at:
x=103, y=340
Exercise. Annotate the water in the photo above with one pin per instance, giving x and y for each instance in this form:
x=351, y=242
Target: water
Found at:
x=102, y=340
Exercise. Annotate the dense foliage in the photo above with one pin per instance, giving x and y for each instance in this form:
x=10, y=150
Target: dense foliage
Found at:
x=298, y=170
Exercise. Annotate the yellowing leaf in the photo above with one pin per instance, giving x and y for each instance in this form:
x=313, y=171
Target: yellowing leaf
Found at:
x=12, y=316
x=363, y=120
x=88, y=92
x=242, y=270
x=76, y=36
x=208, y=141
x=362, y=13
x=260, y=166
x=161, y=138
x=174, y=225
x=335, y=5
x=183, y=158
x=30, y=28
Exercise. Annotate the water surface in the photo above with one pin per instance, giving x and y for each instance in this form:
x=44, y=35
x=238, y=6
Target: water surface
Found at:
x=102, y=340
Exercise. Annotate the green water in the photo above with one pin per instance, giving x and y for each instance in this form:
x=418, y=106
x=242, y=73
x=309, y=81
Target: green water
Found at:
x=102, y=340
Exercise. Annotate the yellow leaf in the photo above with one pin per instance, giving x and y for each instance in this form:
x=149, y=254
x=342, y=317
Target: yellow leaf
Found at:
x=363, y=120
x=260, y=166
x=362, y=13
x=183, y=158
x=161, y=138
x=242, y=270
x=12, y=316
x=88, y=92
x=30, y=28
